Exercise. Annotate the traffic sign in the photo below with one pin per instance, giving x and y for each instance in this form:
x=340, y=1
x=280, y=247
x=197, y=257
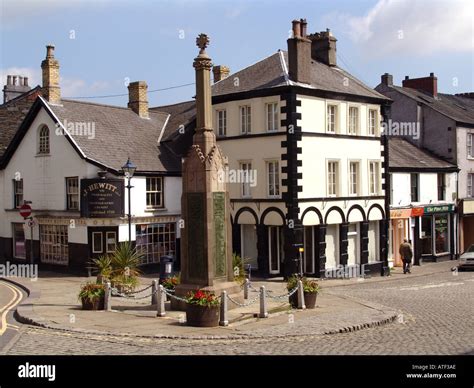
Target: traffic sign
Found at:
x=25, y=210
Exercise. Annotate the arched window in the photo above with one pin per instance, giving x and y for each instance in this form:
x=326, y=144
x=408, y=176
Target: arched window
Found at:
x=43, y=140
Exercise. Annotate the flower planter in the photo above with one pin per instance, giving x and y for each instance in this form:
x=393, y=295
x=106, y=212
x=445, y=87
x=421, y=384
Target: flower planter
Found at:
x=202, y=316
x=94, y=304
x=309, y=300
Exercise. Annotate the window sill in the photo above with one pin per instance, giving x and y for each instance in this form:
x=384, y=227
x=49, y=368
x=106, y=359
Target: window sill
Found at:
x=42, y=155
x=155, y=209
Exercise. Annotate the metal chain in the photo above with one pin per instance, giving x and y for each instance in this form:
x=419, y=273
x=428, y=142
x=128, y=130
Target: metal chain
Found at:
x=252, y=301
x=285, y=295
x=174, y=296
x=115, y=292
x=137, y=292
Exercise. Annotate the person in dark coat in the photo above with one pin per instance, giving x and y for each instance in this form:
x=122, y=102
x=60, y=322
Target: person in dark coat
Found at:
x=406, y=252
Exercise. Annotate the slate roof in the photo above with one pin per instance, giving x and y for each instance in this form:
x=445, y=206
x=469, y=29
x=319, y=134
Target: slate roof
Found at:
x=12, y=114
x=460, y=109
x=119, y=133
x=403, y=154
x=272, y=72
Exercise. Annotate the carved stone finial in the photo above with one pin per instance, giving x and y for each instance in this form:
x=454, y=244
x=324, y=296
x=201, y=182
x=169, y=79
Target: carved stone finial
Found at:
x=202, y=41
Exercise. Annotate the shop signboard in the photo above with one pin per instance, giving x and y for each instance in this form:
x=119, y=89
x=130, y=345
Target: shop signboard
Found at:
x=102, y=198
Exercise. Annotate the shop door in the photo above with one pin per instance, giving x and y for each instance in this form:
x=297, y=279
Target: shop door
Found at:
x=102, y=241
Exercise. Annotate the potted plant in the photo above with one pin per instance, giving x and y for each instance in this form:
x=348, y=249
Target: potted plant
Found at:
x=92, y=296
x=125, y=261
x=103, y=264
x=310, y=290
x=202, y=309
x=170, y=284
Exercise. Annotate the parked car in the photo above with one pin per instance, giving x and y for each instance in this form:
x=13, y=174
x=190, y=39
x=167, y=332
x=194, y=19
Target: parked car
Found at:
x=466, y=260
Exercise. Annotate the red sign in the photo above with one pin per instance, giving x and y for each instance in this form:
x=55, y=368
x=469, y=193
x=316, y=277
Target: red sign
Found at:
x=25, y=211
x=417, y=211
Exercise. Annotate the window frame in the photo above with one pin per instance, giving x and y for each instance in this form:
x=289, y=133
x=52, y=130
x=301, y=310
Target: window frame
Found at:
x=221, y=130
x=336, y=118
x=357, y=120
x=154, y=193
x=44, y=141
x=18, y=198
x=275, y=117
x=245, y=119
x=417, y=175
x=469, y=145
x=357, y=178
x=69, y=195
x=441, y=186
x=377, y=177
x=245, y=166
x=276, y=178
x=376, y=122
x=469, y=188
x=336, y=173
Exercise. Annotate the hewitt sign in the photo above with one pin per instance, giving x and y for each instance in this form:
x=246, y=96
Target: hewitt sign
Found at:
x=102, y=198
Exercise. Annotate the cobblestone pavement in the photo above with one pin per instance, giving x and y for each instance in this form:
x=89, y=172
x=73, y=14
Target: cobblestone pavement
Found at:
x=435, y=318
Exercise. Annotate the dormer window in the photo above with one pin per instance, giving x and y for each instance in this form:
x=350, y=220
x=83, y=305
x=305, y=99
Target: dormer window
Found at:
x=43, y=140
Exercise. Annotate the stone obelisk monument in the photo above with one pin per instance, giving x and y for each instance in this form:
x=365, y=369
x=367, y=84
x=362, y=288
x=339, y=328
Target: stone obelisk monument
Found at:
x=206, y=245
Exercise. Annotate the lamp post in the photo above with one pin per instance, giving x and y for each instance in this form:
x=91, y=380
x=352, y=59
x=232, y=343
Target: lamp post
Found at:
x=128, y=170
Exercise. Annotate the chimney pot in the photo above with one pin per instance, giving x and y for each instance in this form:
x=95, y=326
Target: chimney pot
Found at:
x=138, y=99
x=431, y=74
x=296, y=28
x=303, y=27
x=50, y=51
x=25, y=81
x=9, y=79
x=407, y=77
x=387, y=79
x=15, y=80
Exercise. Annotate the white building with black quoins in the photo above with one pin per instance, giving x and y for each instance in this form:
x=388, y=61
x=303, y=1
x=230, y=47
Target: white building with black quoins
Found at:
x=66, y=158
x=310, y=134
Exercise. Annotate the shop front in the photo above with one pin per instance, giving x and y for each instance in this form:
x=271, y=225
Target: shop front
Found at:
x=400, y=229
x=436, y=237
x=467, y=224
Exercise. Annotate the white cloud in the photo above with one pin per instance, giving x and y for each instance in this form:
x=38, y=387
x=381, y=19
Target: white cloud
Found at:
x=70, y=87
x=414, y=27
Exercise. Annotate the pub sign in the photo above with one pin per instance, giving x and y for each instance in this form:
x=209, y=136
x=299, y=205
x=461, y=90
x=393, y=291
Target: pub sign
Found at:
x=102, y=198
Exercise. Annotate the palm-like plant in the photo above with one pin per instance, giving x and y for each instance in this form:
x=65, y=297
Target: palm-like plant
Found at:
x=125, y=261
x=104, y=268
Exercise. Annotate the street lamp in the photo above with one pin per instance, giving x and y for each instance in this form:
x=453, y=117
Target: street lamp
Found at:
x=128, y=170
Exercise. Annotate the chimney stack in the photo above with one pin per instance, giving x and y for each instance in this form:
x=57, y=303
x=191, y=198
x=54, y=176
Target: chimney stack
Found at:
x=323, y=47
x=50, y=66
x=387, y=79
x=138, y=99
x=220, y=72
x=299, y=53
x=16, y=86
x=425, y=84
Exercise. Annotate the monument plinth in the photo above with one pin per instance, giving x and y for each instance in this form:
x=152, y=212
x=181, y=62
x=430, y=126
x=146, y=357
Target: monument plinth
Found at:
x=206, y=239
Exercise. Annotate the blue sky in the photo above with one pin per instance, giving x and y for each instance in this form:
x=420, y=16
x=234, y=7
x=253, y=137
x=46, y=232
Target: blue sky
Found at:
x=155, y=40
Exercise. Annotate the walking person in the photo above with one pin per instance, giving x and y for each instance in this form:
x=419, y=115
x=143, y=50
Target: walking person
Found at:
x=406, y=252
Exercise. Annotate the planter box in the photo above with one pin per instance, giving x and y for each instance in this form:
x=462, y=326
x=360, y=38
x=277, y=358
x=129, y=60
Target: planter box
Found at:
x=200, y=316
x=309, y=300
x=95, y=304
